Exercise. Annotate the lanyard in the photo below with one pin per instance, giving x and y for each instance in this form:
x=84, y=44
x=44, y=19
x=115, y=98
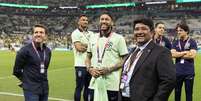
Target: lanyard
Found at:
x=161, y=41
x=105, y=46
x=129, y=64
x=185, y=45
x=36, y=51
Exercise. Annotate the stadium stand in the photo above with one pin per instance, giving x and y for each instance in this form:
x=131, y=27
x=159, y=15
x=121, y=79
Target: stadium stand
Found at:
x=15, y=23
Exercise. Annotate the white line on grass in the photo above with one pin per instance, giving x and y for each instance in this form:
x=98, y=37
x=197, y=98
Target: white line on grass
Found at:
x=50, y=98
x=6, y=77
x=55, y=70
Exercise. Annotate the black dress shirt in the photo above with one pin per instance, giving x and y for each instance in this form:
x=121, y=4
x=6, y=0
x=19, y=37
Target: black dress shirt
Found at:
x=28, y=65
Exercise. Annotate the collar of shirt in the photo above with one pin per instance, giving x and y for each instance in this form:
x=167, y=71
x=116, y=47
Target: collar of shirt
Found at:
x=82, y=30
x=145, y=45
x=181, y=40
x=37, y=45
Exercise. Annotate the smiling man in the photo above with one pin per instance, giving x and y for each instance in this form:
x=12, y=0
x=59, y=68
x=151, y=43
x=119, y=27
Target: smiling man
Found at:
x=148, y=72
x=104, y=60
x=31, y=66
x=159, y=36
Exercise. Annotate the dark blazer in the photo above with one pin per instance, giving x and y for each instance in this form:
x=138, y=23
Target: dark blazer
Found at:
x=154, y=75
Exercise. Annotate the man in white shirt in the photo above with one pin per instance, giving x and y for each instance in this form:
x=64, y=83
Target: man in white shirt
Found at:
x=106, y=51
x=80, y=38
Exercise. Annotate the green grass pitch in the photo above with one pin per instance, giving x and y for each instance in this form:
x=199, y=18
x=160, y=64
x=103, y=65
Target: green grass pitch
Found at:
x=61, y=78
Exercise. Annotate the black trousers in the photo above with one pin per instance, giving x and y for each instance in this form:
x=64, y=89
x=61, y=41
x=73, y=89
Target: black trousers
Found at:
x=188, y=80
x=82, y=82
x=125, y=99
x=112, y=95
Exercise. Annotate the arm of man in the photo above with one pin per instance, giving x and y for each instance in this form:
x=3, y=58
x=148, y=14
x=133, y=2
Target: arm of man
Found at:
x=167, y=76
x=176, y=54
x=93, y=71
x=190, y=54
x=19, y=64
x=80, y=47
x=76, y=39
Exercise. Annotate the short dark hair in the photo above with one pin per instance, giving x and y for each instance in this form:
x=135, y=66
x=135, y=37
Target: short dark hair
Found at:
x=109, y=14
x=40, y=25
x=145, y=21
x=82, y=15
x=159, y=23
x=183, y=26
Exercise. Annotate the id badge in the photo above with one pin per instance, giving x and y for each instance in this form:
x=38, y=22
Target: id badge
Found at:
x=182, y=61
x=99, y=61
x=122, y=85
x=42, y=68
x=124, y=78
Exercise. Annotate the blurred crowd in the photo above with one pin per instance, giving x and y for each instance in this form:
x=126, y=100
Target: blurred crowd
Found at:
x=10, y=41
x=16, y=30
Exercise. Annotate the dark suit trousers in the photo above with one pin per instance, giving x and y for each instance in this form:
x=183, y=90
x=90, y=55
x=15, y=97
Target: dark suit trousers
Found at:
x=112, y=95
x=125, y=99
x=82, y=82
x=188, y=80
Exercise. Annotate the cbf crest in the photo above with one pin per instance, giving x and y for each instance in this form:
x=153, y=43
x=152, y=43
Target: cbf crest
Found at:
x=109, y=46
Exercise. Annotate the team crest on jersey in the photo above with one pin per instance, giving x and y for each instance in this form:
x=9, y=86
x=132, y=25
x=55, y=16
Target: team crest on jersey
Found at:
x=109, y=46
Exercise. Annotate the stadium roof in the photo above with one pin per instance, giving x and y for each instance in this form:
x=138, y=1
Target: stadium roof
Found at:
x=73, y=2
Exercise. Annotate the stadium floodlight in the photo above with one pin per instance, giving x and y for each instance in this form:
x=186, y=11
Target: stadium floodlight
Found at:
x=183, y=1
x=68, y=7
x=111, y=5
x=156, y=2
x=22, y=5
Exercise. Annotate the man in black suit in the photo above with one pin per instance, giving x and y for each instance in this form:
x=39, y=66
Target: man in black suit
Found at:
x=148, y=73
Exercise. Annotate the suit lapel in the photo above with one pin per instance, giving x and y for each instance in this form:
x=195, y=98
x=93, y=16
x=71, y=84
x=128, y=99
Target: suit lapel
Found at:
x=143, y=57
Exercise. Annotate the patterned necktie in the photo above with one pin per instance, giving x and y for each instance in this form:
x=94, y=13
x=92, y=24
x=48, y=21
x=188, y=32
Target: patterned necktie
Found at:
x=133, y=56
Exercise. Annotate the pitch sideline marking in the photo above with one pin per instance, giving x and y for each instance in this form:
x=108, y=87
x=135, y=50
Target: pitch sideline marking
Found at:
x=50, y=98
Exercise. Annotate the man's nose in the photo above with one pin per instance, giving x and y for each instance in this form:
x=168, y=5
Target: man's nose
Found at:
x=103, y=21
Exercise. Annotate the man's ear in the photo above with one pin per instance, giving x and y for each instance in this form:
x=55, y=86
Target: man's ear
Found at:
x=112, y=23
x=152, y=33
